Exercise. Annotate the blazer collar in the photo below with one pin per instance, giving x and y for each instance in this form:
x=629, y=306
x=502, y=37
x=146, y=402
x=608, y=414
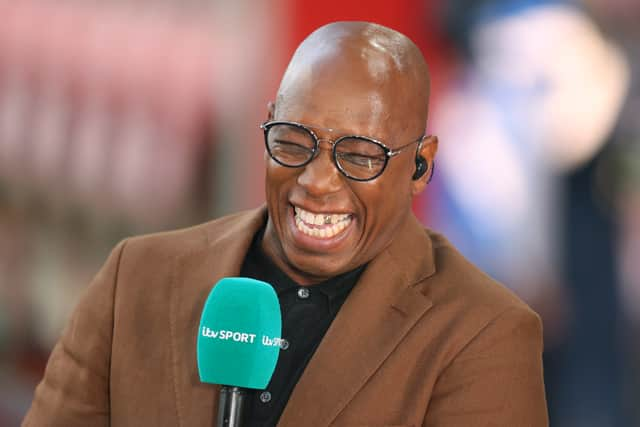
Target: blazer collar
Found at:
x=381, y=309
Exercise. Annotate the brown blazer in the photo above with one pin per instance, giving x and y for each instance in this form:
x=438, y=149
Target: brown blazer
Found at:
x=425, y=338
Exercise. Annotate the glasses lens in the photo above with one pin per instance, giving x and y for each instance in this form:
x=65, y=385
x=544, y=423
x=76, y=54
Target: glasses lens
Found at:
x=360, y=158
x=289, y=144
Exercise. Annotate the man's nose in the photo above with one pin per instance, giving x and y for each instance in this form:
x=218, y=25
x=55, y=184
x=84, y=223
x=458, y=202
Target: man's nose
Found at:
x=321, y=175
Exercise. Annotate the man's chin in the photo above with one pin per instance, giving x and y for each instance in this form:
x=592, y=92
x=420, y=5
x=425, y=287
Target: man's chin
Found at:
x=311, y=269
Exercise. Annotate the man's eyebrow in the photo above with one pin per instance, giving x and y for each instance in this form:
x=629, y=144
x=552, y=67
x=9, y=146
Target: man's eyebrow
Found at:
x=334, y=130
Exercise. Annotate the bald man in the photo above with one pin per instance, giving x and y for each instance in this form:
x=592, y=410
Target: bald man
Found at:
x=386, y=323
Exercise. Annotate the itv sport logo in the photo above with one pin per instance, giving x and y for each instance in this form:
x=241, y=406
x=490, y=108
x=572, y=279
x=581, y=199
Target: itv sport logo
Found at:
x=243, y=337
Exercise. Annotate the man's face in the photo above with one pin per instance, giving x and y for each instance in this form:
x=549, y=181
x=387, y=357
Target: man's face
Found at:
x=363, y=216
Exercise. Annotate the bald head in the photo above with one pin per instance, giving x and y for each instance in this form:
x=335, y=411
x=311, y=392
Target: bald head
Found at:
x=374, y=65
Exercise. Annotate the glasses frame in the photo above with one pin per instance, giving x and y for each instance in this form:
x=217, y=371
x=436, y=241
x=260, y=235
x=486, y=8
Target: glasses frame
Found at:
x=388, y=152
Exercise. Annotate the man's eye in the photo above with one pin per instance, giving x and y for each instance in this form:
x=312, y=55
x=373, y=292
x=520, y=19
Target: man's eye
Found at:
x=361, y=160
x=289, y=147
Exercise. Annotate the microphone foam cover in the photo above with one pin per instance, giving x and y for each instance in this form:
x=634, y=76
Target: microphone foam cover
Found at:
x=239, y=334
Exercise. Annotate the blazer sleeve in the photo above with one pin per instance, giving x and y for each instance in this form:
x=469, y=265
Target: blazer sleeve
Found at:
x=496, y=379
x=75, y=387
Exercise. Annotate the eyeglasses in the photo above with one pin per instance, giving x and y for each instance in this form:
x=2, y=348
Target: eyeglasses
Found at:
x=357, y=157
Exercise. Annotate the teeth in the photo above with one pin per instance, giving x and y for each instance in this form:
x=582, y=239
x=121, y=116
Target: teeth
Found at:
x=330, y=224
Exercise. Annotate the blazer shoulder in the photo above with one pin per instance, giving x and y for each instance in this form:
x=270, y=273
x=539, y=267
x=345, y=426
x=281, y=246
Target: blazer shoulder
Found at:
x=181, y=241
x=466, y=290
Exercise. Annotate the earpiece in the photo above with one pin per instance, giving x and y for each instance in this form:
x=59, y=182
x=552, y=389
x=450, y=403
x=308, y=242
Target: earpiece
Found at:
x=421, y=168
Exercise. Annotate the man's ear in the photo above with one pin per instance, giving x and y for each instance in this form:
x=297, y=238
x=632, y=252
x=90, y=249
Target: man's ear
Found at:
x=428, y=149
x=271, y=108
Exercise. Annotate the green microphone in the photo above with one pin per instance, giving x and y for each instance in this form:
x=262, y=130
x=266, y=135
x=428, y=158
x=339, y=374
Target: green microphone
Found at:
x=238, y=342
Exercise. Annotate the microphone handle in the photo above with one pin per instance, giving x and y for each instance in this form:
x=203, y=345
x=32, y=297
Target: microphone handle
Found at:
x=232, y=406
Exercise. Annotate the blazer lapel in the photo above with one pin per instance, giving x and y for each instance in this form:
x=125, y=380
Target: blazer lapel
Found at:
x=374, y=319
x=195, y=273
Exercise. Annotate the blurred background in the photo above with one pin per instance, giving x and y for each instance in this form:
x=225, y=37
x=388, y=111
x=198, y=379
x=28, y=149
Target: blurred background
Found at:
x=134, y=116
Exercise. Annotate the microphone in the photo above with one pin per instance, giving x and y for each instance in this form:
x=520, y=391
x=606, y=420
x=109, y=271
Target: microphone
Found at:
x=238, y=342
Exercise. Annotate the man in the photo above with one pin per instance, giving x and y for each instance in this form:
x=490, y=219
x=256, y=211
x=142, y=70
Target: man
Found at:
x=386, y=323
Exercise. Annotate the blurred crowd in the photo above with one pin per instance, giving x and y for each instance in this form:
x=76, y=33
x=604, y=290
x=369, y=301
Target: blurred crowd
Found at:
x=135, y=116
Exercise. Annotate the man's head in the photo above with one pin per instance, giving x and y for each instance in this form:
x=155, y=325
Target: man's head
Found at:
x=346, y=78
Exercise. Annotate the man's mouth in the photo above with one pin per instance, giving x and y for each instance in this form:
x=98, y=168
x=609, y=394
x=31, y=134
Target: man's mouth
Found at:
x=321, y=225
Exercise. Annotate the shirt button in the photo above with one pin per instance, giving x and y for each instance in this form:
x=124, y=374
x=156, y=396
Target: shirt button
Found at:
x=265, y=397
x=284, y=344
x=303, y=293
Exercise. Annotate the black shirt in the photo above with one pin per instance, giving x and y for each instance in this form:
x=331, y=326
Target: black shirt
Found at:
x=307, y=313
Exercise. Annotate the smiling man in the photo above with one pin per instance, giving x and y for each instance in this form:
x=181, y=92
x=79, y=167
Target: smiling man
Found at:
x=384, y=322
x=343, y=138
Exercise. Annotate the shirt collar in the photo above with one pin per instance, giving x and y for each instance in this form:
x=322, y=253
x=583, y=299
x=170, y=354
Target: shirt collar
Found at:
x=332, y=288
